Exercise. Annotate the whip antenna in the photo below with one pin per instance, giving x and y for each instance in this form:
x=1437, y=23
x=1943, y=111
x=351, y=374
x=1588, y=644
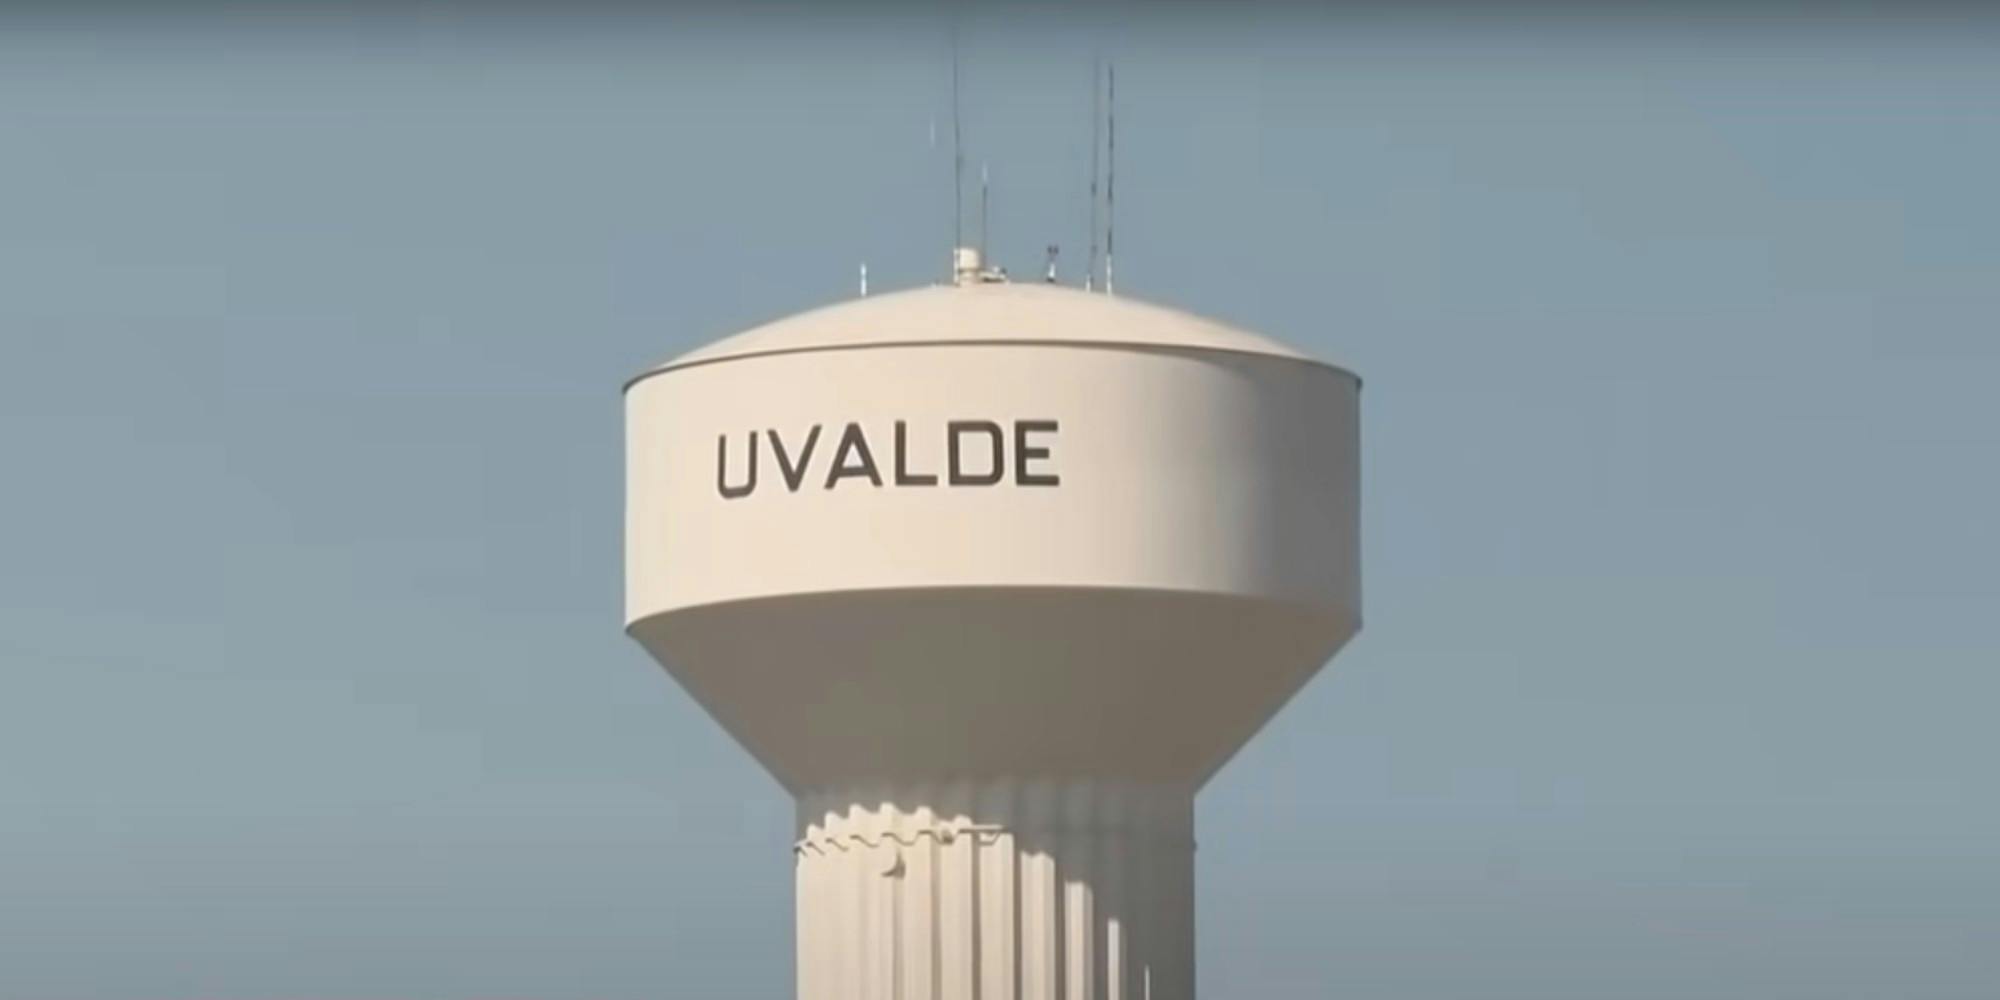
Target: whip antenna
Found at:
x=957, y=151
x=1096, y=144
x=1110, y=171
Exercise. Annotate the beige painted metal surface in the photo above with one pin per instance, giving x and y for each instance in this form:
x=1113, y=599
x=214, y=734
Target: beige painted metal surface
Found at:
x=993, y=577
x=1007, y=313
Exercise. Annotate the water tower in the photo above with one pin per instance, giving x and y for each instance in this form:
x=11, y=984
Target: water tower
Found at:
x=993, y=577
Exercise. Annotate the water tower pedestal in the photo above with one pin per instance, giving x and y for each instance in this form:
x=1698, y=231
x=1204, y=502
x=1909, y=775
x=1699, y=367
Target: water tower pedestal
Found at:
x=997, y=889
x=993, y=578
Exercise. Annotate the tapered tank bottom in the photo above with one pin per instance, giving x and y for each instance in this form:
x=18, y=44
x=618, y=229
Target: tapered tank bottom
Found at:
x=1036, y=889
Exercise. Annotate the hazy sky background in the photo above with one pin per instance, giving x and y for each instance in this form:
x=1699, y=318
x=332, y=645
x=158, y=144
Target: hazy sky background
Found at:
x=1682, y=338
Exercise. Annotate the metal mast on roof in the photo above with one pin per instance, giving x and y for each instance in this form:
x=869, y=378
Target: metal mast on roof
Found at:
x=1096, y=145
x=1110, y=171
x=959, y=153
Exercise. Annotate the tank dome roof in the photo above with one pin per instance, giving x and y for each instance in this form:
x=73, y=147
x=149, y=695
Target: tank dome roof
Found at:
x=996, y=313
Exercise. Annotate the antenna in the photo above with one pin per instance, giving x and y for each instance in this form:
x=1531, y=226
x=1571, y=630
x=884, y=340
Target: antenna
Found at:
x=1050, y=274
x=1097, y=143
x=864, y=279
x=957, y=149
x=983, y=197
x=1110, y=170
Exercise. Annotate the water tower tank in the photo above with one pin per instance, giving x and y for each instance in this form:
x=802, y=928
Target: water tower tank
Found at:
x=993, y=577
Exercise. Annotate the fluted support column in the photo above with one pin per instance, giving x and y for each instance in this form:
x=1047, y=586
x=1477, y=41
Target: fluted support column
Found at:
x=1016, y=889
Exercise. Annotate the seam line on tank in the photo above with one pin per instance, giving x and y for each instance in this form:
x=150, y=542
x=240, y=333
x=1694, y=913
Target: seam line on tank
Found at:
x=1108, y=345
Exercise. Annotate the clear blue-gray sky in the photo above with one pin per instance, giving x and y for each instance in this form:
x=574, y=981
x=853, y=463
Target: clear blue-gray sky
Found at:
x=1682, y=337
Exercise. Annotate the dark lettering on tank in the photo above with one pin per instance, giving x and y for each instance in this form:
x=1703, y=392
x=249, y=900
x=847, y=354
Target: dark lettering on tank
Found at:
x=1025, y=453
x=975, y=453
x=904, y=477
x=852, y=443
x=954, y=456
x=795, y=475
x=722, y=468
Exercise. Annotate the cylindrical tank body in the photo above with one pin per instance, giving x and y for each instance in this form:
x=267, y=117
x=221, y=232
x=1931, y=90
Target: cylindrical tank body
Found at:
x=993, y=577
